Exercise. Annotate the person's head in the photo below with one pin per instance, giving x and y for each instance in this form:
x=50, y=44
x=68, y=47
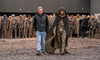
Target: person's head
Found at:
x=95, y=16
x=71, y=15
x=40, y=10
x=29, y=16
x=98, y=16
x=78, y=16
x=20, y=17
x=88, y=17
x=12, y=16
x=92, y=18
x=4, y=16
x=54, y=14
x=61, y=12
x=24, y=16
x=83, y=16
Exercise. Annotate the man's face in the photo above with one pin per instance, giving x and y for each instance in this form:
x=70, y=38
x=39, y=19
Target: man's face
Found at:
x=40, y=11
x=62, y=12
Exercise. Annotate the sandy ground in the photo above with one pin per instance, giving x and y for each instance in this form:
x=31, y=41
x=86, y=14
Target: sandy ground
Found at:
x=25, y=49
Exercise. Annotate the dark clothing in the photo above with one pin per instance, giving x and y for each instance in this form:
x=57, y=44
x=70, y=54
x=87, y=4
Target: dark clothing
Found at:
x=85, y=22
x=84, y=26
x=40, y=22
x=83, y=29
x=56, y=22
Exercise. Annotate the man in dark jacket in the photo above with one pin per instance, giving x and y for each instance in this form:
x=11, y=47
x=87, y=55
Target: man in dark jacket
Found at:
x=84, y=25
x=41, y=26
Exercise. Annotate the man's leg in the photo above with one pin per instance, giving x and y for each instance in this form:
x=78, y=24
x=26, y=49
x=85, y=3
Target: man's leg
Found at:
x=2, y=33
x=43, y=37
x=25, y=32
x=38, y=35
x=15, y=32
x=85, y=32
x=11, y=32
x=71, y=32
x=29, y=32
x=81, y=32
x=19, y=32
x=90, y=32
x=22, y=32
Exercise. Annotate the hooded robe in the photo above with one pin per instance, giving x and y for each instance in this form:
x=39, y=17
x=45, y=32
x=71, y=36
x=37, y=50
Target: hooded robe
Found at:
x=51, y=39
x=5, y=26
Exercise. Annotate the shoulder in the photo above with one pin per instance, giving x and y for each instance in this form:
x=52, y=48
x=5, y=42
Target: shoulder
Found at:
x=35, y=15
x=44, y=15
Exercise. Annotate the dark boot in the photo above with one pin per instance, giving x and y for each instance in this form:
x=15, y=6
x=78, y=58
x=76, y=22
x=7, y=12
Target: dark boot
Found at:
x=38, y=53
x=66, y=51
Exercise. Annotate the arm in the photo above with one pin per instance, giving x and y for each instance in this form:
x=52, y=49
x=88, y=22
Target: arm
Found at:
x=34, y=23
x=47, y=24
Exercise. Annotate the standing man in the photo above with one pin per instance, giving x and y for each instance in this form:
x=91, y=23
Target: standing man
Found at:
x=84, y=26
x=41, y=26
x=5, y=26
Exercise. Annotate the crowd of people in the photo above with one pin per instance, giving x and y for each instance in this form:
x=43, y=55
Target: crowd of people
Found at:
x=22, y=26
x=85, y=26
x=16, y=26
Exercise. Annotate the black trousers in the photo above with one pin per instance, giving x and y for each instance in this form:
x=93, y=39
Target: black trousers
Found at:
x=83, y=31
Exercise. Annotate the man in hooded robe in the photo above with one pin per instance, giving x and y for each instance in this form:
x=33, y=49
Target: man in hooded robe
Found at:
x=14, y=23
x=97, y=35
x=27, y=27
x=31, y=25
x=50, y=18
x=78, y=25
x=71, y=24
x=34, y=33
x=5, y=26
x=54, y=16
x=59, y=40
x=21, y=27
x=92, y=27
x=24, y=17
x=9, y=32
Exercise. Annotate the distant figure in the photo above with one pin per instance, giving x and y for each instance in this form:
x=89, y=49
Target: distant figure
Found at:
x=5, y=26
x=84, y=26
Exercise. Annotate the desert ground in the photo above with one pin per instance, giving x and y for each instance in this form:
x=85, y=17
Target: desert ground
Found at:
x=25, y=49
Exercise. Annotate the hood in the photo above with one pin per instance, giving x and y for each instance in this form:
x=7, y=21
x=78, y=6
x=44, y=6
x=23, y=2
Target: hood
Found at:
x=83, y=16
x=99, y=16
x=5, y=17
x=61, y=8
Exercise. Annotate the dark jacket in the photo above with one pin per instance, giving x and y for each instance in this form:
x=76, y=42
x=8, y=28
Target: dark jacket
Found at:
x=40, y=22
x=85, y=22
